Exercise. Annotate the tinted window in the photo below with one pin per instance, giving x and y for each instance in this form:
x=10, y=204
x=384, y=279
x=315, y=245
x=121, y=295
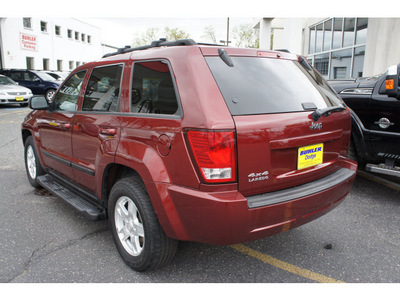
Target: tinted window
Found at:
x=102, y=92
x=153, y=89
x=67, y=97
x=263, y=85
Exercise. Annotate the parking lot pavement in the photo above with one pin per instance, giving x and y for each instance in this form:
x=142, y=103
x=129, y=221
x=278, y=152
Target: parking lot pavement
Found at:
x=44, y=240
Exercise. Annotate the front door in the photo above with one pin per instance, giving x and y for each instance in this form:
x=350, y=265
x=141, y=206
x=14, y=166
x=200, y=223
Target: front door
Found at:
x=55, y=127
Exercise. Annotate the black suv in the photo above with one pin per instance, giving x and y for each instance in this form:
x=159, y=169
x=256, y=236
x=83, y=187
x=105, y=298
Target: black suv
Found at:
x=39, y=82
x=375, y=120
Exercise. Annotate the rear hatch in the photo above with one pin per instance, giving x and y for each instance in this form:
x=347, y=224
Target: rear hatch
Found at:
x=272, y=100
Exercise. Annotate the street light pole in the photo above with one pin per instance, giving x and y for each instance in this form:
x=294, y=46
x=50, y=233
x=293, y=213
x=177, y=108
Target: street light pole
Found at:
x=227, y=32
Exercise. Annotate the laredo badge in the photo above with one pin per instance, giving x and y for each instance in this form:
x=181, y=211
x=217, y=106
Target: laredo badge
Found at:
x=309, y=156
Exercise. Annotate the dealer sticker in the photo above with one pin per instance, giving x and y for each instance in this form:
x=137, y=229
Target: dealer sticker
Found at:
x=309, y=156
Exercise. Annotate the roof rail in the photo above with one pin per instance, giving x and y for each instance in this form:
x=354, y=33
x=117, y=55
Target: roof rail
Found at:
x=160, y=43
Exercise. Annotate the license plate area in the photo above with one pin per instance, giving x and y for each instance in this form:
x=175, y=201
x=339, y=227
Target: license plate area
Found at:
x=309, y=156
x=19, y=98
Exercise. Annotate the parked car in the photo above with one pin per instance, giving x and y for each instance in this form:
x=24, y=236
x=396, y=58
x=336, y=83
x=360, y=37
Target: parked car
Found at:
x=12, y=93
x=39, y=82
x=375, y=123
x=57, y=75
x=182, y=141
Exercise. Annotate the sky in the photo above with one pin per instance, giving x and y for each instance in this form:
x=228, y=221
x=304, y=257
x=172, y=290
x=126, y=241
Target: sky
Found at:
x=122, y=21
x=123, y=31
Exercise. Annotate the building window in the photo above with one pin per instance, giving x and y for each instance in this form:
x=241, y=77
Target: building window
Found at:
x=337, y=33
x=337, y=47
x=43, y=26
x=83, y=37
x=46, y=64
x=71, y=64
x=69, y=33
x=77, y=35
x=78, y=63
x=30, y=63
x=58, y=30
x=59, y=65
x=89, y=39
x=27, y=23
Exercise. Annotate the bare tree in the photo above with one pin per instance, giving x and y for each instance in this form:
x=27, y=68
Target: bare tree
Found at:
x=245, y=36
x=209, y=34
x=153, y=34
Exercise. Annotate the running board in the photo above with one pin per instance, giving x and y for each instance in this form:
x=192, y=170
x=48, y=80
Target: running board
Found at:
x=84, y=206
x=383, y=169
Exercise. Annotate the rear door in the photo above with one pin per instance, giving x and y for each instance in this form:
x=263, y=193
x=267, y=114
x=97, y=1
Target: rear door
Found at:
x=96, y=126
x=279, y=145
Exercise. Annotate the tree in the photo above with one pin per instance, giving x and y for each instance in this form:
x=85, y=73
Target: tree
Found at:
x=152, y=34
x=173, y=34
x=209, y=34
x=245, y=36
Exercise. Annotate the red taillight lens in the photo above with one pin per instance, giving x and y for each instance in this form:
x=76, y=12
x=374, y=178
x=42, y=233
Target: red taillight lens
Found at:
x=214, y=152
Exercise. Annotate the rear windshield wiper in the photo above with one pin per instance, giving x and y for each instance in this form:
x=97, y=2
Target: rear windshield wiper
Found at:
x=326, y=112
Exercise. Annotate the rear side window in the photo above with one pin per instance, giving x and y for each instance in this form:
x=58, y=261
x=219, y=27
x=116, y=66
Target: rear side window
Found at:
x=103, y=90
x=67, y=96
x=256, y=85
x=153, y=90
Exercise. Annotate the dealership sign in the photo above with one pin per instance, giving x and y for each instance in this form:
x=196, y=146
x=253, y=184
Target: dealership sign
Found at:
x=28, y=42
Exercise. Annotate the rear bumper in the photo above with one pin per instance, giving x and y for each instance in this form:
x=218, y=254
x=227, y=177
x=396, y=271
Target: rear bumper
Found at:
x=224, y=218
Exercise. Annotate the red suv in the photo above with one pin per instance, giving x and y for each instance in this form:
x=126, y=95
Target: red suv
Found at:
x=183, y=141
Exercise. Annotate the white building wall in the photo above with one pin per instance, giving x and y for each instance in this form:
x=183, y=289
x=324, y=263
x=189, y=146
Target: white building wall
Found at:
x=383, y=45
x=48, y=45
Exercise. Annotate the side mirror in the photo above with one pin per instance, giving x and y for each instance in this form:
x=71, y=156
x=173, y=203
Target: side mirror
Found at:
x=392, y=81
x=38, y=103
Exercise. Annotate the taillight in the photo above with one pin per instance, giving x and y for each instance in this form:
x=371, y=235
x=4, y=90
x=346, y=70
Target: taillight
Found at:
x=214, y=154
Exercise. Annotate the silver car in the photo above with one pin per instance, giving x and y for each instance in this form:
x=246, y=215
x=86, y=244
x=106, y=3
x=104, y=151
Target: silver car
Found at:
x=12, y=93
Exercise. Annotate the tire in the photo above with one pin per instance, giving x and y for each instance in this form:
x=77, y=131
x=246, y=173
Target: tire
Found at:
x=32, y=163
x=138, y=235
x=352, y=153
x=50, y=94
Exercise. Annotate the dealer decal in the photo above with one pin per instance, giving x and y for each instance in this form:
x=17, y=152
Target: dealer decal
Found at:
x=309, y=156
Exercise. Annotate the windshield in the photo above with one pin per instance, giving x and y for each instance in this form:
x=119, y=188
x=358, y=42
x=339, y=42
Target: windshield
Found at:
x=257, y=85
x=45, y=76
x=6, y=80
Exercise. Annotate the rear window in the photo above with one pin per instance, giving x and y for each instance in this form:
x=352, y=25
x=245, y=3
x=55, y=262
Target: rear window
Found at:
x=257, y=85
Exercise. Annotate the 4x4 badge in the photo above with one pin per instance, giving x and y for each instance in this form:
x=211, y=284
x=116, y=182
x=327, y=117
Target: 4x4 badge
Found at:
x=316, y=126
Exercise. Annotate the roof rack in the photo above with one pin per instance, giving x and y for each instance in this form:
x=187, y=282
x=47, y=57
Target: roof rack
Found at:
x=160, y=43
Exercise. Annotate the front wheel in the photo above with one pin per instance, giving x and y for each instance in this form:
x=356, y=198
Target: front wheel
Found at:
x=136, y=231
x=49, y=94
x=32, y=163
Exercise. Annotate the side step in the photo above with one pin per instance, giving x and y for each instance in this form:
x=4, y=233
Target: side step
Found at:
x=383, y=169
x=90, y=210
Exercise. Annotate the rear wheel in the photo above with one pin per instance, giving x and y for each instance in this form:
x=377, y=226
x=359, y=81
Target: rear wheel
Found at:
x=137, y=233
x=32, y=163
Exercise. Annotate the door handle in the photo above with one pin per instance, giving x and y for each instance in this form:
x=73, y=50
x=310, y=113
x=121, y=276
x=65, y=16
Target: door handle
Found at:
x=108, y=131
x=61, y=125
x=65, y=125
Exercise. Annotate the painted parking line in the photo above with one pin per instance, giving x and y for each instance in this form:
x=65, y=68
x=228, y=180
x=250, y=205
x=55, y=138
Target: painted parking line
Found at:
x=284, y=265
x=379, y=180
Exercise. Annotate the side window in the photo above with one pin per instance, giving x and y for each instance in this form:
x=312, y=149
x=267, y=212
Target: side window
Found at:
x=67, y=97
x=28, y=76
x=102, y=92
x=153, y=89
x=16, y=76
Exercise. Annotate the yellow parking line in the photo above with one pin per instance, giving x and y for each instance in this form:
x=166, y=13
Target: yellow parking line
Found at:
x=284, y=266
